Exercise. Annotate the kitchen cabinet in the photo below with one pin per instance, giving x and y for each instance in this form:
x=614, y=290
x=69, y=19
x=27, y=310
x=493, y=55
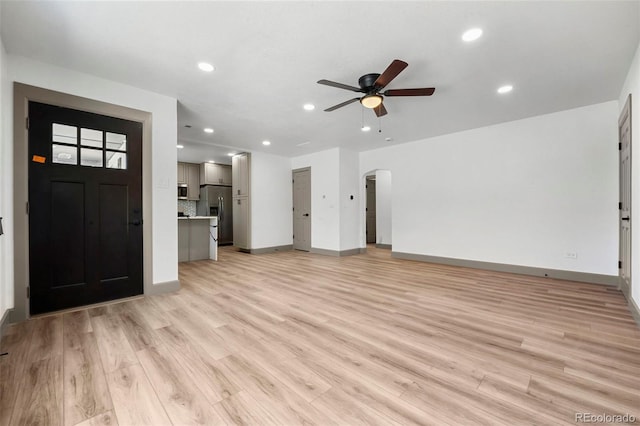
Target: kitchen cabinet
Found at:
x=189, y=174
x=215, y=174
x=241, y=174
x=182, y=176
x=183, y=241
x=241, y=188
x=241, y=223
x=225, y=174
x=197, y=238
x=193, y=181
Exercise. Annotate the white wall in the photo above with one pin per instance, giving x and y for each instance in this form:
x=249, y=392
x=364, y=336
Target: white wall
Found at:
x=164, y=136
x=522, y=193
x=325, y=197
x=6, y=191
x=271, y=201
x=632, y=85
x=350, y=232
x=335, y=218
x=384, y=205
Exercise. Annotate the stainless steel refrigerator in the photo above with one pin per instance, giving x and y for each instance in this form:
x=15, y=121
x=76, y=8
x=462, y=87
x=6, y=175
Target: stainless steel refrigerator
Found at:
x=216, y=200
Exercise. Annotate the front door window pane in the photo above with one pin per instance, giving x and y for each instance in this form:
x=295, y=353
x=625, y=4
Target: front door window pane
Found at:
x=91, y=157
x=65, y=134
x=64, y=154
x=116, y=160
x=116, y=141
x=90, y=137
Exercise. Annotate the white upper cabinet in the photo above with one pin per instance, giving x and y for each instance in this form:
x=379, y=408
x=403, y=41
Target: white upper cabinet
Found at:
x=215, y=174
x=241, y=170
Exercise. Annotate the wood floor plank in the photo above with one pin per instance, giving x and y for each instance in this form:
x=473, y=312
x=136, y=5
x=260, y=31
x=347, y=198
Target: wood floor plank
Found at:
x=348, y=411
x=75, y=325
x=40, y=398
x=180, y=397
x=152, y=315
x=12, y=366
x=242, y=409
x=138, y=332
x=134, y=400
x=47, y=338
x=272, y=394
x=86, y=393
x=104, y=419
x=201, y=368
x=199, y=332
x=115, y=350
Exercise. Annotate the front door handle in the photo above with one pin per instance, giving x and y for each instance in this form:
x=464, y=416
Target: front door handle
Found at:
x=625, y=218
x=306, y=214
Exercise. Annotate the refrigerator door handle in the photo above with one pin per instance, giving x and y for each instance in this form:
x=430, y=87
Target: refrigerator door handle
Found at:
x=220, y=209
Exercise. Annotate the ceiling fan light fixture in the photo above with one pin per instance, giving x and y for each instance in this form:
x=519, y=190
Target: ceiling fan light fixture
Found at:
x=371, y=101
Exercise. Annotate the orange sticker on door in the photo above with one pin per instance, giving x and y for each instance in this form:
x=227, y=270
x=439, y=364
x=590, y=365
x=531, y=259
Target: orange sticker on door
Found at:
x=38, y=159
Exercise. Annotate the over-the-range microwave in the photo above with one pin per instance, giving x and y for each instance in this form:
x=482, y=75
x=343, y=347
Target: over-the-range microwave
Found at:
x=182, y=191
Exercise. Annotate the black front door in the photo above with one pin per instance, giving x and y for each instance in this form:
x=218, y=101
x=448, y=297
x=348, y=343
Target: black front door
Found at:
x=85, y=208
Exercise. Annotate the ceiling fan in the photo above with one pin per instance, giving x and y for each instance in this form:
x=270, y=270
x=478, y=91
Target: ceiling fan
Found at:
x=372, y=84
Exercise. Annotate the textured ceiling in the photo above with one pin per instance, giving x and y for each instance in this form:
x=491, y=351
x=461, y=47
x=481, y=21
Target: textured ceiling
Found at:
x=269, y=55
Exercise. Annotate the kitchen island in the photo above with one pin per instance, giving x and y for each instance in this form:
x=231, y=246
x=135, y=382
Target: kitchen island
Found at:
x=197, y=238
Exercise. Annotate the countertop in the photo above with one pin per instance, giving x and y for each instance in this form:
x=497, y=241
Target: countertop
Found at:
x=197, y=217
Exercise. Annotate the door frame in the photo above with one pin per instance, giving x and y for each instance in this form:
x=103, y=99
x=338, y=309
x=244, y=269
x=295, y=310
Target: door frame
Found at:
x=293, y=172
x=22, y=95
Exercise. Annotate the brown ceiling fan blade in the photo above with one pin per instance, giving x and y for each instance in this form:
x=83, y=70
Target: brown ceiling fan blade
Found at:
x=340, y=85
x=390, y=73
x=350, y=101
x=427, y=91
x=380, y=110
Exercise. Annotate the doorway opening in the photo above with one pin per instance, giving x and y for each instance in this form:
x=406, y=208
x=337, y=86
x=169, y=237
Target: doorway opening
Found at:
x=377, y=209
x=370, y=209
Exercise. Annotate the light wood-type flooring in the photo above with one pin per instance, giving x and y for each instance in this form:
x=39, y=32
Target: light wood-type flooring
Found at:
x=295, y=338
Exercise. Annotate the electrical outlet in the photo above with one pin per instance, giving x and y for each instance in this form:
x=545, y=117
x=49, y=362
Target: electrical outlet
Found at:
x=571, y=255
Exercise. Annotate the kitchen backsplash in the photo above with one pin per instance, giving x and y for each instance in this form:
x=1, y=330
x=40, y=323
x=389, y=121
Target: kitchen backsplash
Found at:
x=187, y=207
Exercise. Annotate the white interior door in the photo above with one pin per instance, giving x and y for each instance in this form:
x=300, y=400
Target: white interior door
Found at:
x=624, y=129
x=302, y=209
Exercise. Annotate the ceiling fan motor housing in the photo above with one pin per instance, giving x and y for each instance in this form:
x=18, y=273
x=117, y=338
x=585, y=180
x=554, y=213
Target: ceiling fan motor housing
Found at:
x=366, y=82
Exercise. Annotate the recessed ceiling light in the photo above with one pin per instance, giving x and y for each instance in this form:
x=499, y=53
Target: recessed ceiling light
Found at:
x=211, y=161
x=505, y=89
x=205, y=66
x=304, y=143
x=266, y=143
x=472, y=34
x=179, y=146
x=208, y=130
x=309, y=107
x=365, y=128
x=231, y=154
